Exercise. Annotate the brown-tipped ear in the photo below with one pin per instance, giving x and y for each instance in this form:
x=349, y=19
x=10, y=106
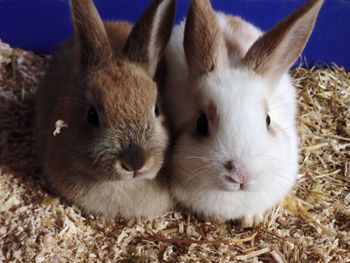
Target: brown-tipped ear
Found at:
x=150, y=35
x=93, y=40
x=277, y=50
x=204, y=43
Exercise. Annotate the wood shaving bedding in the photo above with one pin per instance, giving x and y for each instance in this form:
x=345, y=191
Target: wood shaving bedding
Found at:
x=311, y=225
x=59, y=124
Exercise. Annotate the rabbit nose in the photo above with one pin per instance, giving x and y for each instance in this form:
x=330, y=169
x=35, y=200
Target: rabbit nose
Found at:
x=229, y=166
x=133, y=159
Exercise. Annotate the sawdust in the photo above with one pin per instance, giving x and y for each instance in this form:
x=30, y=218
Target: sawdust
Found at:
x=59, y=124
x=311, y=225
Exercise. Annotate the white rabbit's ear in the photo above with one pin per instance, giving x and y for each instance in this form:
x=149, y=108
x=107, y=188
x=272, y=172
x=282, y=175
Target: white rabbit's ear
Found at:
x=278, y=49
x=150, y=35
x=93, y=40
x=204, y=43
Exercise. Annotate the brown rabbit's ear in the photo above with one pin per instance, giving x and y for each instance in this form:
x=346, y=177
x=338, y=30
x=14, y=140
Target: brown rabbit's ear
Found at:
x=94, y=44
x=150, y=35
x=278, y=49
x=204, y=43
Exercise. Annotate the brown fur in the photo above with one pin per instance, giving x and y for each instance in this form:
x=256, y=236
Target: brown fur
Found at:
x=234, y=45
x=141, y=37
x=92, y=36
x=278, y=49
x=234, y=51
x=208, y=47
x=118, y=33
x=204, y=44
x=212, y=113
x=98, y=67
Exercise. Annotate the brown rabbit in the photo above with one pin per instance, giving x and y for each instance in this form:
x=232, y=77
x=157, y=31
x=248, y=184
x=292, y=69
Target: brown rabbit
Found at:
x=106, y=156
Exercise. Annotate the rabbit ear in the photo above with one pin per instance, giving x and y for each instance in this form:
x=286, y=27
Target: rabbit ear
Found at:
x=204, y=43
x=150, y=35
x=93, y=40
x=278, y=49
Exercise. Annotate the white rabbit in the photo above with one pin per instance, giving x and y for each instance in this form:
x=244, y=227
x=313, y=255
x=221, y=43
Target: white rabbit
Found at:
x=232, y=106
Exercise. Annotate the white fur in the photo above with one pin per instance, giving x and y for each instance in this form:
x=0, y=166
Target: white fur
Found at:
x=133, y=198
x=271, y=160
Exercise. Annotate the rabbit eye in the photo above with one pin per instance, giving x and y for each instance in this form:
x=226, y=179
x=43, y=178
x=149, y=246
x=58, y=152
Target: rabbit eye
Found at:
x=156, y=110
x=92, y=116
x=268, y=121
x=202, y=124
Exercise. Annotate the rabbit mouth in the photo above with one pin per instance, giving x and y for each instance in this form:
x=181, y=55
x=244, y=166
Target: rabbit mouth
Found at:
x=148, y=172
x=234, y=185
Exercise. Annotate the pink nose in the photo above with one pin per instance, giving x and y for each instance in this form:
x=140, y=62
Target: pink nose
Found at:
x=243, y=176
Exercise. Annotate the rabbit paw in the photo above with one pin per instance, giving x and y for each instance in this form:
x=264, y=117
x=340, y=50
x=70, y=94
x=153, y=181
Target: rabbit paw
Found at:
x=212, y=219
x=251, y=220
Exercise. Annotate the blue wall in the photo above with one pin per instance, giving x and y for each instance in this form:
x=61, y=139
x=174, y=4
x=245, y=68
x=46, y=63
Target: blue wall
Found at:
x=39, y=25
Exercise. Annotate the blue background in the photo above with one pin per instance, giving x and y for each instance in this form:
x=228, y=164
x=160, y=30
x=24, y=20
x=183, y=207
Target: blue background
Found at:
x=39, y=25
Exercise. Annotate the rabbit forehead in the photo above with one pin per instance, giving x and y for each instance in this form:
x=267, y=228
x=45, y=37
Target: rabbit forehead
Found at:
x=235, y=92
x=243, y=100
x=123, y=93
x=241, y=105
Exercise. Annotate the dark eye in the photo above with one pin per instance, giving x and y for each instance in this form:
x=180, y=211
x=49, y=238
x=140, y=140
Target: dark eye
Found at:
x=202, y=124
x=92, y=116
x=268, y=121
x=156, y=110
